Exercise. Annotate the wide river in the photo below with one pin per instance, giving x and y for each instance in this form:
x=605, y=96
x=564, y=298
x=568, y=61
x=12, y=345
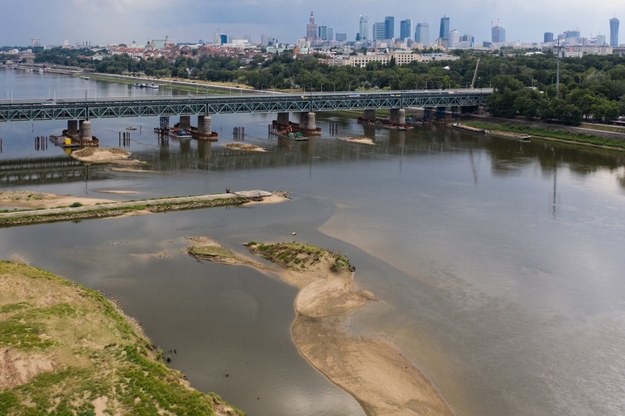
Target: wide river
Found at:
x=499, y=264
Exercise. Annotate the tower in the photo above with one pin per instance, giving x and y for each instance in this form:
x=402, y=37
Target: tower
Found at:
x=498, y=34
x=405, y=29
x=443, y=33
x=379, y=31
x=389, y=27
x=363, y=28
x=422, y=34
x=614, y=22
x=311, y=29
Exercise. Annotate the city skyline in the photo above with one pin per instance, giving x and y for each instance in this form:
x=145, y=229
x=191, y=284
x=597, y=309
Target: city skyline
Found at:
x=80, y=21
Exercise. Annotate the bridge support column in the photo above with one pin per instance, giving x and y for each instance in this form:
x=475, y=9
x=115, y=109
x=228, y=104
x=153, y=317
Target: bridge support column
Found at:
x=72, y=128
x=308, y=121
x=283, y=120
x=185, y=122
x=85, y=131
x=369, y=115
x=205, y=124
x=164, y=123
x=398, y=116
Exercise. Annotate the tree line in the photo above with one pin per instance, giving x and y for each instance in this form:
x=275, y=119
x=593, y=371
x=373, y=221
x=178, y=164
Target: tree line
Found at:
x=525, y=83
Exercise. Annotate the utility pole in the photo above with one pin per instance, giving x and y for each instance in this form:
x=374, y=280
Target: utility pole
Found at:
x=558, y=49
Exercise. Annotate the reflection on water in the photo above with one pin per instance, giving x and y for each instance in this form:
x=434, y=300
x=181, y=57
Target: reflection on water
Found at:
x=498, y=263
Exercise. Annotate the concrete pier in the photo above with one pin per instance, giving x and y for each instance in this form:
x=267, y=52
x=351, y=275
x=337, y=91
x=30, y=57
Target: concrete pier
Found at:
x=205, y=124
x=369, y=115
x=398, y=116
x=85, y=130
x=185, y=122
x=283, y=120
x=72, y=128
x=308, y=121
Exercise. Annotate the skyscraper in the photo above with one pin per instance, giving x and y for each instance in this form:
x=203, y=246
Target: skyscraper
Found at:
x=614, y=22
x=422, y=34
x=498, y=34
x=443, y=33
x=363, y=28
x=379, y=31
x=405, y=29
x=389, y=27
x=311, y=29
x=548, y=37
x=322, y=32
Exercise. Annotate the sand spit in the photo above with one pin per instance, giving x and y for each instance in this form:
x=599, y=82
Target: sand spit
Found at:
x=370, y=368
x=68, y=350
x=245, y=147
x=359, y=140
x=35, y=200
x=100, y=154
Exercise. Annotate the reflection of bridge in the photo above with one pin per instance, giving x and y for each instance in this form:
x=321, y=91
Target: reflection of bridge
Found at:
x=45, y=170
x=79, y=109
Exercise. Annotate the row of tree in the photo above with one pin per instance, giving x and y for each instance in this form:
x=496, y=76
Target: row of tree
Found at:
x=526, y=84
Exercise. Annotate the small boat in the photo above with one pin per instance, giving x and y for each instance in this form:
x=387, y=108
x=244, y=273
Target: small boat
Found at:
x=131, y=128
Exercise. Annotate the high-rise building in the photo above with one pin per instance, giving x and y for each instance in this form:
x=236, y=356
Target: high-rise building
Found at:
x=443, y=32
x=422, y=34
x=454, y=39
x=389, y=27
x=341, y=36
x=311, y=29
x=322, y=32
x=548, y=37
x=330, y=33
x=614, y=22
x=363, y=28
x=379, y=31
x=405, y=29
x=498, y=34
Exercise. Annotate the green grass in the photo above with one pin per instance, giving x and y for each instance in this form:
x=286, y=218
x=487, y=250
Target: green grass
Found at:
x=298, y=256
x=129, y=370
x=550, y=134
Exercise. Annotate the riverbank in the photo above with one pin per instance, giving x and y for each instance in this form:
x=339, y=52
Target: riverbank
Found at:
x=586, y=136
x=371, y=369
x=24, y=208
x=67, y=349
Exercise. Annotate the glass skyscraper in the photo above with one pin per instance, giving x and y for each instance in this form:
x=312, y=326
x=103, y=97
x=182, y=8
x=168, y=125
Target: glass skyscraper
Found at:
x=389, y=27
x=422, y=34
x=443, y=33
x=405, y=29
x=614, y=22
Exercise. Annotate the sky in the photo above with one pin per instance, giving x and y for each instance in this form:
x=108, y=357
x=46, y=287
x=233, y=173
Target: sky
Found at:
x=124, y=21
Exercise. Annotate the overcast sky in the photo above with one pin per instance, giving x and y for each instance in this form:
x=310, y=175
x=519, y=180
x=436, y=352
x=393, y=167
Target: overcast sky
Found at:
x=122, y=21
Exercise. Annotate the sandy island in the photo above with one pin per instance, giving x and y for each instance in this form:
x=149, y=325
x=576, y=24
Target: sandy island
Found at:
x=65, y=349
x=27, y=199
x=359, y=140
x=245, y=147
x=371, y=369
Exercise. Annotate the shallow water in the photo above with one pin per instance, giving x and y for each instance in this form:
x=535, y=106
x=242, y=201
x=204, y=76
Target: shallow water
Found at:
x=497, y=263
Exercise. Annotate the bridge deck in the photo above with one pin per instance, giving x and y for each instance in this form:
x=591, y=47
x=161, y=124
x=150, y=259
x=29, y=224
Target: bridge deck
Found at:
x=77, y=109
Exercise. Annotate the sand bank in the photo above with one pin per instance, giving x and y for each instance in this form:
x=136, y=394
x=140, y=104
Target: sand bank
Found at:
x=372, y=369
x=359, y=140
x=245, y=147
x=28, y=199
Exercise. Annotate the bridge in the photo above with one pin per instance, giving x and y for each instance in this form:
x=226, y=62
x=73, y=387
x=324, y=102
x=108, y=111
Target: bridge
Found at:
x=86, y=109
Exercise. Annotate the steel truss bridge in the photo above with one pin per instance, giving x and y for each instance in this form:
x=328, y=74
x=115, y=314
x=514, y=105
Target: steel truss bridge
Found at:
x=85, y=109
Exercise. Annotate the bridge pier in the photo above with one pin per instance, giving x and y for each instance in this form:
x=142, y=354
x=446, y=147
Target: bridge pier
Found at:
x=85, y=131
x=398, y=116
x=205, y=124
x=283, y=120
x=72, y=128
x=185, y=122
x=369, y=115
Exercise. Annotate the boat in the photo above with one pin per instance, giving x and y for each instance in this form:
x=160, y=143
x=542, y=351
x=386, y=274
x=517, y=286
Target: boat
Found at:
x=131, y=128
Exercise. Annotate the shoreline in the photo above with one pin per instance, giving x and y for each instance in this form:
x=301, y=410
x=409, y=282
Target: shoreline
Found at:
x=68, y=349
x=372, y=369
x=88, y=208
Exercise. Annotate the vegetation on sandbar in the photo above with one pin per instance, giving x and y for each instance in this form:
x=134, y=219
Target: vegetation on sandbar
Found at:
x=68, y=350
x=298, y=256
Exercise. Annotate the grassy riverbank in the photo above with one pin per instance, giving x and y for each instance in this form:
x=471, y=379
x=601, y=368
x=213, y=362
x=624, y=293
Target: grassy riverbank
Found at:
x=65, y=349
x=549, y=133
x=87, y=208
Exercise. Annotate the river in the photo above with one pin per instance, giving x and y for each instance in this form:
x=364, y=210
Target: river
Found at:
x=498, y=264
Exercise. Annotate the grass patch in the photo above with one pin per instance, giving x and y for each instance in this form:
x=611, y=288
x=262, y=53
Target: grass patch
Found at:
x=549, y=134
x=299, y=256
x=116, y=362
